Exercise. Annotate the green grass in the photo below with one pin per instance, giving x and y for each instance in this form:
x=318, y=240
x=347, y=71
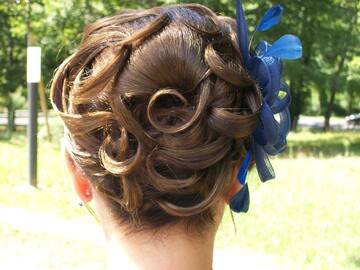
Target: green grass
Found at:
x=54, y=195
x=310, y=214
x=309, y=218
x=43, y=251
x=318, y=144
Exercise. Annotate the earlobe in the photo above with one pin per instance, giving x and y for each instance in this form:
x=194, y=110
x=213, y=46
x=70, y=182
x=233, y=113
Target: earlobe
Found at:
x=236, y=186
x=81, y=182
x=83, y=188
x=238, y=197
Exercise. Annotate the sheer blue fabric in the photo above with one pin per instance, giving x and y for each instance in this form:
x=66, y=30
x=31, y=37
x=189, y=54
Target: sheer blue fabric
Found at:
x=241, y=201
x=265, y=67
x=244, y=169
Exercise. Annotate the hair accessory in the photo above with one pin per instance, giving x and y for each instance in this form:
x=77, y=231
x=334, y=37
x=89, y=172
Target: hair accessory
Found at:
x=91, y=211
x=241, y=200
x=264, y=64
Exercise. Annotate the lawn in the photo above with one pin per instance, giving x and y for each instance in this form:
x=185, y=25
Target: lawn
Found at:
x=308, y=218
x=318, y=144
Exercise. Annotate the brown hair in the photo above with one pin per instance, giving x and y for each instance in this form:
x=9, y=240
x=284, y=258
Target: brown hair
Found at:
x=158, y=108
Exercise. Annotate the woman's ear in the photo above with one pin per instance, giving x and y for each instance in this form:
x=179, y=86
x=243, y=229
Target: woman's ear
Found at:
x=236, y=186
x=81, y=182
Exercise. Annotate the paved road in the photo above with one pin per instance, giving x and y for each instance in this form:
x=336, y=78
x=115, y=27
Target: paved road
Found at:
x=316, y=122
x=23, y=120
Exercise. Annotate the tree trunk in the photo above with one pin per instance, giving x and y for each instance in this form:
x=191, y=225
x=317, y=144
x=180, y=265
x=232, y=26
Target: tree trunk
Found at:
x=333, y=90
x=351, y=102
x=152, y=3
x=294, y=122
x=297, y=83
x=340, y=66
x=10, y=118
x=297, y=106
x=330, y=105
x=327, y=121
x=351, y=108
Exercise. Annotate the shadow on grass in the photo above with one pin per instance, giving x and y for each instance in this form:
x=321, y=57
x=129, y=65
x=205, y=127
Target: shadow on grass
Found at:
x=16, y=138
x=19, y=139
x=355, y=260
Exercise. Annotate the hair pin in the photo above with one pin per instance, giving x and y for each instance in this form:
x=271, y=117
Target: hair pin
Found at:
x=264, y=64
x=241, y=200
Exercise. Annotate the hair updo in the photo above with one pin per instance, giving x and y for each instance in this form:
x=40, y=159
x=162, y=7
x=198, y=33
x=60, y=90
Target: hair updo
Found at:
x=157, y=110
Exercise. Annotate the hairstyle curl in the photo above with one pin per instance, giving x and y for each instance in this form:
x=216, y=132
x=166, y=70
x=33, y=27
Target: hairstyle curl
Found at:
x=158, y=108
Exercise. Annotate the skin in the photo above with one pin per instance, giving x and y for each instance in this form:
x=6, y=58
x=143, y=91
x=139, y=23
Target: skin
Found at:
x=169, y=248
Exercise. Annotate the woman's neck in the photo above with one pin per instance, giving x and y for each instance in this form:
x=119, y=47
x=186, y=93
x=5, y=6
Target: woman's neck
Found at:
x=171, y=249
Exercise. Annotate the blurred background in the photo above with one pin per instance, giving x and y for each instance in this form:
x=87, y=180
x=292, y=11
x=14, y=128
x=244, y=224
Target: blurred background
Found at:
x=308, y=218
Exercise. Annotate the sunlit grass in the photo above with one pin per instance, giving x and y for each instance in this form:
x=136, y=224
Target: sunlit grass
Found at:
x=318, y=144
x=41, y=251
x=54, y=194
x=309, y=216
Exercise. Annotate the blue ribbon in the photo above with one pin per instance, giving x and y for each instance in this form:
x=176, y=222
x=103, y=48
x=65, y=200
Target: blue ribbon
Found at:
x=242, y=173
x=265, y=67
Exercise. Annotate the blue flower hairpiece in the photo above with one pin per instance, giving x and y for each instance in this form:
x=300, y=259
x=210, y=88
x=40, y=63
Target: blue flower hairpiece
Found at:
x=265, y=66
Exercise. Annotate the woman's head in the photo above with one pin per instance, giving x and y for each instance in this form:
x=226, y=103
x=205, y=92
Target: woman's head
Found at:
x=158, y=110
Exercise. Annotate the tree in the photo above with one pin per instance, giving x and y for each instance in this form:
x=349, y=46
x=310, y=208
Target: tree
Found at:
x=329, y=31
x=323, y=26
x=12, y=57
x=342, y=41
x=353, y=86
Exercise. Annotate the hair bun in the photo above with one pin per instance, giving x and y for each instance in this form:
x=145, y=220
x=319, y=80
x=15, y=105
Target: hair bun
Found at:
x=156, y=109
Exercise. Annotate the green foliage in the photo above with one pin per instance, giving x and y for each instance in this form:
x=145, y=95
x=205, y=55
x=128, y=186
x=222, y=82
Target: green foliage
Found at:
x=329, y=30
x=13, y=44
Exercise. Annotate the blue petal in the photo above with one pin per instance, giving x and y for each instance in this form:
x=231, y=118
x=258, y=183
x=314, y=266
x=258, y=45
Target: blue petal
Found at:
x=240, y=201
x=271, y=18
x=287, y=47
